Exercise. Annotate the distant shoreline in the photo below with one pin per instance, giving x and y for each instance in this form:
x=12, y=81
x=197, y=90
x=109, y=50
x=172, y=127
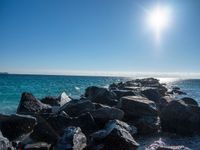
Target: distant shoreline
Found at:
x=4, y=73
x=136, y=75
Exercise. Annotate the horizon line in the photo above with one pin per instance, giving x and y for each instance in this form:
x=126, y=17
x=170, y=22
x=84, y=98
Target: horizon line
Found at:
x=111, y=74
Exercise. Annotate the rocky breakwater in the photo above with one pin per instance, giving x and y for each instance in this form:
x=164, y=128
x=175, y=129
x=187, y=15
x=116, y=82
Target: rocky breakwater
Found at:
x=102, y=119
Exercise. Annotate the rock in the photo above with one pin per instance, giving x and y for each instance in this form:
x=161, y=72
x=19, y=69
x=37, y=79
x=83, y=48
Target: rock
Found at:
x=37, y=146
x=147, y=125
x=56, y=101
x=140, y=112
x=117, y=86
x=72, y=139
x=176, y=91
x=64, y=98
x=189, y=101
x=52, y=101
x=164, y=101
x=4, y=142
x=152, y=94
x=15, y=126
x=85, y=122
x=101, y=95
x=30, y=105
x=178, y=117
x=51, y=126
x=176, y=88
x=160, y=145
x=122, y=93
x=44, y=131
x=77, y=107
x=114, y=137
x=137, y=106
x=130, y=128
x=179, y=92
x=106, y=113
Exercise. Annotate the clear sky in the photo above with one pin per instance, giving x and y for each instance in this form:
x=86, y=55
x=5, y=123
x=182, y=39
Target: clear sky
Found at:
x=60, y=36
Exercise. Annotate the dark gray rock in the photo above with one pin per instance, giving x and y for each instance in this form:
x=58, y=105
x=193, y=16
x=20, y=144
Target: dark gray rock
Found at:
x=164, y=101
x=56, y=101
x=147, y=125
x=4, y=143
x=122, y=93
x=152, y=94
x=72, y=139
x=30, y=105
x=49, y=127
x=140, y=112
x=15, y=126
x=37, y=146
x=189, y=101
x=178, y=117
x=77, y=107
x=160, y=145
x=105, y=113
x=101, y=95
x=175, y=91
x=115, y=136
x=50, y=100
x=137, y=106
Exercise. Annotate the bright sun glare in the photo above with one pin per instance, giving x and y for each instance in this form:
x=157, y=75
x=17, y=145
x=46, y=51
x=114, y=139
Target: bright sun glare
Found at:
x=159, y=19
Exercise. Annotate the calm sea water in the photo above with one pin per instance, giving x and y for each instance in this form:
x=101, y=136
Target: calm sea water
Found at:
x=11, y=87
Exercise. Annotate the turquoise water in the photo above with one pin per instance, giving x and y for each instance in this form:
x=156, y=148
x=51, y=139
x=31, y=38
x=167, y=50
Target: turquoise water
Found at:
x=11, y=87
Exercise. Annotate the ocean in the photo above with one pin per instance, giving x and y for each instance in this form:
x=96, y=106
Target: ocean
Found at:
x=12, y=86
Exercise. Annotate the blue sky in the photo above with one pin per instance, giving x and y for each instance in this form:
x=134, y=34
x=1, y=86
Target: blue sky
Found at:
x=73, y=36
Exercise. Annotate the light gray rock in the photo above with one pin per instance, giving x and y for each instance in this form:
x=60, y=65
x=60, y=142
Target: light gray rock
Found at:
x=72, y=139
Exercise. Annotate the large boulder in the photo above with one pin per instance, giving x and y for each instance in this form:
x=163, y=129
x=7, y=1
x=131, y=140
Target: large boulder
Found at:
x=15, y=126
x=49, y=127
x=56, y=101
x=137, y=106
x=160, y=145
x=101, y=95
x=178, y=117
x=30, y=105
x=72, y=139
x=152, y=94
x=105, y=113
x=115, y=136
x=140, y=112
x=77, y=107
x=189, y=101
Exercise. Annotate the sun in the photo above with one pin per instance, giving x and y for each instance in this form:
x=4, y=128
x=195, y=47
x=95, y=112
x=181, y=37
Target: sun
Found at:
x=159, y=19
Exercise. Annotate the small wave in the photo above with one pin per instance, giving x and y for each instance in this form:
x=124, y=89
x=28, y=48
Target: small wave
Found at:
x=77, y=88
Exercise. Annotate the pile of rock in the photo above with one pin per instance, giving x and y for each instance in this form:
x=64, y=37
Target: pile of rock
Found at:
x=104, y=119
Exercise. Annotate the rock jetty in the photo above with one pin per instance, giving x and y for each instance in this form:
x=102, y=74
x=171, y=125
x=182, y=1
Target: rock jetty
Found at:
x=102, y=119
